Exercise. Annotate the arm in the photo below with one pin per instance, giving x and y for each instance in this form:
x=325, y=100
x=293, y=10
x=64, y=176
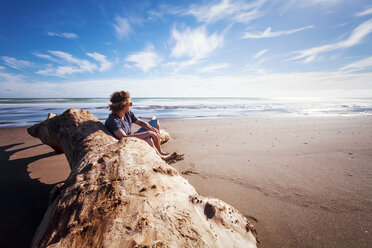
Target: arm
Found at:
x=146, y=125
x=119, y=134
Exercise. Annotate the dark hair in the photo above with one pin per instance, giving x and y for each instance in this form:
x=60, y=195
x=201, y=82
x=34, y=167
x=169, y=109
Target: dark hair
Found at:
x=119, y=100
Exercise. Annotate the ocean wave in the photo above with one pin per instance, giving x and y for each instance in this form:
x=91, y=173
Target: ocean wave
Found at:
x=361, y=109
x=171, y=107
x=7, y=122
x=102, y=107
x=48, y=109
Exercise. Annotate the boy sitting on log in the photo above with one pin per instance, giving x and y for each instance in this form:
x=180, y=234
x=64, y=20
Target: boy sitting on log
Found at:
x=119, y=122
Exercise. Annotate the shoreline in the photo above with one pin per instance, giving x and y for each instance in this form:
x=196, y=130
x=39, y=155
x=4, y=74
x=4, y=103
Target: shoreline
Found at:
x=201, y=118
x=303, y=182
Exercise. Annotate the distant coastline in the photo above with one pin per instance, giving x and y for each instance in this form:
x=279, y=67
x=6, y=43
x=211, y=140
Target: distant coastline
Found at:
x=20, y=112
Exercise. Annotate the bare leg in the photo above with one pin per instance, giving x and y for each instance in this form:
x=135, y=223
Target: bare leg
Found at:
x=158, y=147
x=164, y=157
x=156, y=142
x=158, y=125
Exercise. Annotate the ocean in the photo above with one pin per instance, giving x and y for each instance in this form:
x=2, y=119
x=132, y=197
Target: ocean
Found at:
x=20, y=112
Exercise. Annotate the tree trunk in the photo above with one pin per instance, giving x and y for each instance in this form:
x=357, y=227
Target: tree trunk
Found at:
x=122, y=194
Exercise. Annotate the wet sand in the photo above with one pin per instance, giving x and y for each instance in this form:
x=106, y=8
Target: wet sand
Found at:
x=303, y=182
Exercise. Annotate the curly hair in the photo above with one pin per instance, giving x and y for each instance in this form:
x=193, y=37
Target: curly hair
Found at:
x=119, y=100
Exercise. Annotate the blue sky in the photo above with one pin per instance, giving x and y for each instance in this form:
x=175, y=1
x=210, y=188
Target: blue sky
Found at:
x=277, y=48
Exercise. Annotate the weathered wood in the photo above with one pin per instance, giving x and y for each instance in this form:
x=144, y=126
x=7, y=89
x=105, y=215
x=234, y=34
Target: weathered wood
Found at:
x=122, y=194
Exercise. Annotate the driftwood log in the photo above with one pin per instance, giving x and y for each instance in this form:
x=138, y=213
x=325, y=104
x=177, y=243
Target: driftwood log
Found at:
x=56, y=144
x=122, y=194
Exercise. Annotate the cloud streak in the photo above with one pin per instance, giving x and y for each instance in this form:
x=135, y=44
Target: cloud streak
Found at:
x=70, y=65
x=358, y=65
x=358, y=34
x=364, y=12
x=105, y=64
x=10, y=78
x=314, y=2
x=213, y=67
x=236, y=11
x=15, y=63
x=268, y=34
x=306, y=3
x=122, y=27
x=260, y=53
x=63, y=35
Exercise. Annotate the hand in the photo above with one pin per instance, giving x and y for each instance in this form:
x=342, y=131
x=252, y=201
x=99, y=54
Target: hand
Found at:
x=153, y=134
x=154, y=130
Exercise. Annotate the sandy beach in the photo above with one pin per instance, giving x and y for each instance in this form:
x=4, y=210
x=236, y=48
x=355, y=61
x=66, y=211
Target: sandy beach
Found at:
x=303, y=182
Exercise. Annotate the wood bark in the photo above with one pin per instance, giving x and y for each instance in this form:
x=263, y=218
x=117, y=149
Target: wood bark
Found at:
x=122, y=194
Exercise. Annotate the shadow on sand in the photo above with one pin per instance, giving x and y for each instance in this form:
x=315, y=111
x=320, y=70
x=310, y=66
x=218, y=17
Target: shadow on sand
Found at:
x=23, y=201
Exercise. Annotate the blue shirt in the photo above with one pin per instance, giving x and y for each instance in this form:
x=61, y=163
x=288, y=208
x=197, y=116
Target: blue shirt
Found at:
x=114, y=122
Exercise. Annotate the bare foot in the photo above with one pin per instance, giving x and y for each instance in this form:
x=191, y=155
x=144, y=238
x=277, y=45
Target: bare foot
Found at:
x=164, y=153
x=169, y=156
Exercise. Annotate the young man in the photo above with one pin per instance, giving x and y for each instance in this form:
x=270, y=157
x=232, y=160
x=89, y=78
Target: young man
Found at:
x=119, y=122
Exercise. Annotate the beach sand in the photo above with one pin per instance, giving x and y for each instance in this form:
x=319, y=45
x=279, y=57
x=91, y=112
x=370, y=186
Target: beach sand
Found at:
x=303, y=182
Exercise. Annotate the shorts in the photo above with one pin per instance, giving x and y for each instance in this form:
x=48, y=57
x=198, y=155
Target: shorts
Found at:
x=153, y=123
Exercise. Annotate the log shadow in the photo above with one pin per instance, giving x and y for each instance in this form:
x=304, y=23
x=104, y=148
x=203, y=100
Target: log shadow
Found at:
x=23, y=201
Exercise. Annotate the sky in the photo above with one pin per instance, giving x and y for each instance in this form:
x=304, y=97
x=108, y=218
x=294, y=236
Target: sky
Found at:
x=223, y=48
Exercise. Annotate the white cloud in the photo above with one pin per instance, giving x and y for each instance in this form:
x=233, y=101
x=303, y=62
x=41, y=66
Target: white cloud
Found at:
x=63, y=35
x=48, y=57
x=194, y=43
x=254, y=67
x=43, y=56
x=358, y=65
x=144, y=60
x=285, y=5
x=237, y=11
x=180, y=65
x=105, y=64
x=60, y=71
x=153, y=15
x=63, y=70
x=260, y=53
x=10, y=78
x=126, y=65
x=355, y=38
x=322, y=1
x=364, y=12
x=82, y=64
x=15, y=63
x=306, y=3
x=268, y=34
x=212, y=12
x=70, y=65
x=122, y=27
x=213, y=67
